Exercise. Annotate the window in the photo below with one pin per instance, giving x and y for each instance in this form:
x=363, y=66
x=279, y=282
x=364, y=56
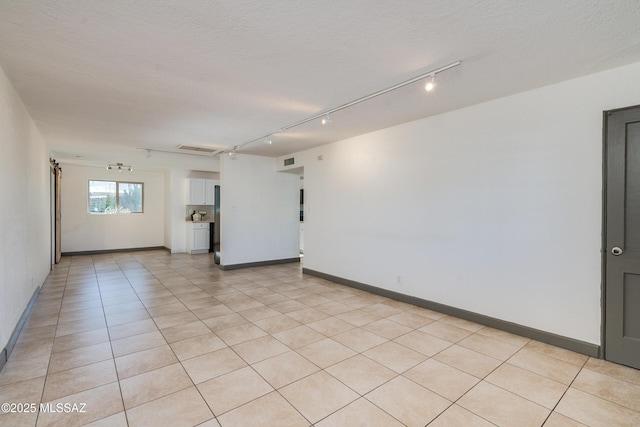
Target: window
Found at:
x=109, y=197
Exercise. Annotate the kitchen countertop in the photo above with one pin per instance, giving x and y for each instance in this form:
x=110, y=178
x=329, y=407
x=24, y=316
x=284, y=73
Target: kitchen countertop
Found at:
x=206, y=219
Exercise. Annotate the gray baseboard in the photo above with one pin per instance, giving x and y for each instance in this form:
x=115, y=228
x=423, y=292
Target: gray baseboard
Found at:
x=113, y=251
x=259, y=263
x=6, y=352
x=578, y=346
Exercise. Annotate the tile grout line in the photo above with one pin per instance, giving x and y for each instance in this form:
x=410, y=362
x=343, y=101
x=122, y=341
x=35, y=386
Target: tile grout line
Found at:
x=124, y=409
x=564, y=393
x=170, y=347
x=46, y=375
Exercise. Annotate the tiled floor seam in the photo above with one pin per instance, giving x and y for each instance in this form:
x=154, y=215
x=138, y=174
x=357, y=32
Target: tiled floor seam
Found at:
x=124, y=409
x=277, y=390
x=466, y=392
x=564, y=393
x=44, y=385
x=362, y=396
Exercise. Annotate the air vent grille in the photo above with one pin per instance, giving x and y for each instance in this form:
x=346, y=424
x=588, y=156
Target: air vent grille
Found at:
x=289, y=162
x=197, y=149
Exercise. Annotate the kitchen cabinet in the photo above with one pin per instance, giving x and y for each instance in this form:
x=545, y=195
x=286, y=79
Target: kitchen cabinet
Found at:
x=201, y=191
x=209, y=191
x=196, y=191
x=198, y=238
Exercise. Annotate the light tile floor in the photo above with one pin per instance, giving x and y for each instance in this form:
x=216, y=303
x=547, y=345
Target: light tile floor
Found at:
x=152, y=339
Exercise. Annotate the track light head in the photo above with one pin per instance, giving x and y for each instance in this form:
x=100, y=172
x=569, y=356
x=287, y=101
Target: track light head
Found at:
x=268, y=140
x=326, y=119
x=431, y=83
x=232, y=153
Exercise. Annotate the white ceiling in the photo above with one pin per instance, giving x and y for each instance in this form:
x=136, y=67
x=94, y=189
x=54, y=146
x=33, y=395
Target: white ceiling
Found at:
x=102, y=78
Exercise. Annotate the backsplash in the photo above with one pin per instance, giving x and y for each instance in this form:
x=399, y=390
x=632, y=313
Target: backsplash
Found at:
x=199, y=208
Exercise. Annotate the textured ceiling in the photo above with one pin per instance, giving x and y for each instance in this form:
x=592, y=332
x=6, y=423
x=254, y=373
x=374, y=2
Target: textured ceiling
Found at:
x=103, y=78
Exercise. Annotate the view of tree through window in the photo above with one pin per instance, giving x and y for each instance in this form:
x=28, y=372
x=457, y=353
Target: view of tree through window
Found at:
x=130, y=196
x=109, y=197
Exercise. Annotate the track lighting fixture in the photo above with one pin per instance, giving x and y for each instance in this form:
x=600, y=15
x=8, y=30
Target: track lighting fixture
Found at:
x=324, y=116
x=268, y=140
x=119, y=167
x=189, y=151
x=232, y=153
x=431, y=83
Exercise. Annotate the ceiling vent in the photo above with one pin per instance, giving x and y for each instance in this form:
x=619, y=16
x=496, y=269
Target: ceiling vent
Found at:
x=204, y=151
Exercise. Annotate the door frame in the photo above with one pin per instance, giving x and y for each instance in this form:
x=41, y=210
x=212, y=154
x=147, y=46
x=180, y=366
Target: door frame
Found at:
x=55, y=200
x=603, y=250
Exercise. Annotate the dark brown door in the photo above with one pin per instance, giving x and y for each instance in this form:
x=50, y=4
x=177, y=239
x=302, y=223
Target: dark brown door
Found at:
x=56, y=225
x=622, y=236
x=58, y=172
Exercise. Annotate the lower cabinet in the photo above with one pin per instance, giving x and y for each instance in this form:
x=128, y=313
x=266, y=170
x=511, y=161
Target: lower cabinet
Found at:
x=198, y=238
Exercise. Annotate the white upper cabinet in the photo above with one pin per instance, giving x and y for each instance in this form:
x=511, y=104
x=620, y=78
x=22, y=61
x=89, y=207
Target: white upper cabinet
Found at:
x=202, y=191
x=197, y=191
x=209, y=193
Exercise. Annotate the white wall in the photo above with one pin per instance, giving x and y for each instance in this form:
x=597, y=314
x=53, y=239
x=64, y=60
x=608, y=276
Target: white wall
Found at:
x=82, y=231
x=25, y=230
x=494, y=208
x=259, y=210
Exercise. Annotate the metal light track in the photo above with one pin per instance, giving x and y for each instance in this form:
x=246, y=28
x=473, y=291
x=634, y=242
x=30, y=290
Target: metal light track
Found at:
x=347, y=105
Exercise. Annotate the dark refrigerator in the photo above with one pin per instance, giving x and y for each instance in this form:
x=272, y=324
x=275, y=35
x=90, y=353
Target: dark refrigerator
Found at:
x=216, y=225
